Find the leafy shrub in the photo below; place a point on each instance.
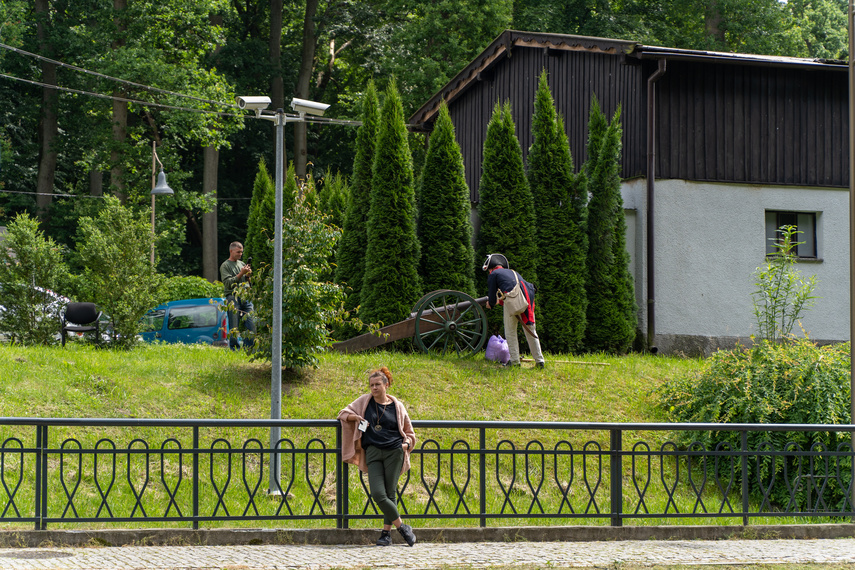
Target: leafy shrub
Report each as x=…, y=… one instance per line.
x=792, y=383
x=30, y=266
x=782, y=294
x=115, y=251
x=308, y=303
x=190, y=287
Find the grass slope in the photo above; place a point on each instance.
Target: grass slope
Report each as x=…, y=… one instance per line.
x=173, y=381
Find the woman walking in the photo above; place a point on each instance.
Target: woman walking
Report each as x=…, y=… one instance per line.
x=378, y=437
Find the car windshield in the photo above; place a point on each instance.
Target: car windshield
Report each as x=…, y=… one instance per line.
x=192, y=317
x=153, y=320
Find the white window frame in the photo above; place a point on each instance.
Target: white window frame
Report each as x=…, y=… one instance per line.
x=805, y=222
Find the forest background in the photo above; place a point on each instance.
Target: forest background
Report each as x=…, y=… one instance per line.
x=61, y=151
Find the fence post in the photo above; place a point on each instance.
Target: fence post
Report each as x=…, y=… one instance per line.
x=340, y=481
x=616, y=476
x=745, y=505
x=38, y=457
x=195, y=477
x=41, y=477
x=482, y=482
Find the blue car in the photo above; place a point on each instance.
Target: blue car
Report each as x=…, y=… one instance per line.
x=188, y=321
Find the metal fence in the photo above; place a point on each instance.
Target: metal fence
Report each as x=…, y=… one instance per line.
x=79, y=471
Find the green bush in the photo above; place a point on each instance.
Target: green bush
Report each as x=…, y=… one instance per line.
x=190, y=287
x=115, y=250
x=782, y=294
x=30, y=264
x=309, y=304
x=792, y=383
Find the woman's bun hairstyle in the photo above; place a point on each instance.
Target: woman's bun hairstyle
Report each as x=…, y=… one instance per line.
x=385, y=372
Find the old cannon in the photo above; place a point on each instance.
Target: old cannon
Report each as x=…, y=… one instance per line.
x=441, y=322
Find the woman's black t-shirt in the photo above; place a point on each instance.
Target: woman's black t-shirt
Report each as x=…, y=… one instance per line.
x=387, y=436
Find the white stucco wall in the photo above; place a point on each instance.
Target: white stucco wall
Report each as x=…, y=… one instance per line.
x=710, y=238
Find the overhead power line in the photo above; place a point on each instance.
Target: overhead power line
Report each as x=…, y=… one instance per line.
x=307, y=119
x=116, y=79
x=116, y=98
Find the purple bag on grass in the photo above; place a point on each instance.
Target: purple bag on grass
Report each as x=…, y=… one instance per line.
x=497, y=350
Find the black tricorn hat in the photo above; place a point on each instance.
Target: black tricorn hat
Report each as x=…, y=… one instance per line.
x=494, y=259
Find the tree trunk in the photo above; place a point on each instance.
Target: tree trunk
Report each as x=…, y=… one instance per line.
x=277, y=86
x=120, y=119
x=209, y=220
x=96, y=183
x=303, y=81
x=712, y=22
x=48, y=125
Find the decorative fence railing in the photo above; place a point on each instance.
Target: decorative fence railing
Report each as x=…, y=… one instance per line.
x=75, y=471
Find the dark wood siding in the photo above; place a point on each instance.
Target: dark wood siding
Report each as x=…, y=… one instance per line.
x=719, y=119
x=573, y=78
x=763, y=125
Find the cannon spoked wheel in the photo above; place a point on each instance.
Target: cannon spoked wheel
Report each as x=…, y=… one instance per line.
x=450, y=322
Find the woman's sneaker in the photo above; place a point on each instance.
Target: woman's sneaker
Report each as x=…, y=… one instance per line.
x=407, y=532
x=385, y=538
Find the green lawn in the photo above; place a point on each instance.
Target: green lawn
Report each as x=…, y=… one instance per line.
x=173, y=381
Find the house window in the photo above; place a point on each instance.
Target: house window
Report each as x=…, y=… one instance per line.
x=805, y=223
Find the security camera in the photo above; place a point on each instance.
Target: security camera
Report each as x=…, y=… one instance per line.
x=311, y=107
x=253, y=103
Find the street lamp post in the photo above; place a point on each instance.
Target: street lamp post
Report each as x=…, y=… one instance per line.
x=161, y=188
x=303, y=107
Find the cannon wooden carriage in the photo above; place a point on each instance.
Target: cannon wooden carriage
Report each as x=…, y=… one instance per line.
x=441, y=322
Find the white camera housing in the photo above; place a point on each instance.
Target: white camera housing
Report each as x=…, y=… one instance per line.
x=253, y=103
x=311, y=107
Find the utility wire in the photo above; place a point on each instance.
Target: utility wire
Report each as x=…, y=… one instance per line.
x=53, y=195
x=308, y=118
x=115, y=98
x=116, y=79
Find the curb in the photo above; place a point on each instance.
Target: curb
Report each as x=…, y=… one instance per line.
x=231, y=537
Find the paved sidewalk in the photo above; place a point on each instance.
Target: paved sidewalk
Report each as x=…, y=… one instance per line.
x=432, y=555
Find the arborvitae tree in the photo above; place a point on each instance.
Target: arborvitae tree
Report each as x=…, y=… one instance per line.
x=445, y=228
x=506, y=207
x=350, y=257
x=612, y=319
x=334, y=198
x=261, y=219
x=561, y=241
x=391, y=285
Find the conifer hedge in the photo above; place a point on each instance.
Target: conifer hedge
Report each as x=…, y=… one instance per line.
x=260, y=225
x=444, y=226
x=612, y=319
x=350, y=256
x=506, y=206
x=391, y=285
x=562, y=244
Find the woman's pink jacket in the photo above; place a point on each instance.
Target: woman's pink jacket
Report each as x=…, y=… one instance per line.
x=351, y=440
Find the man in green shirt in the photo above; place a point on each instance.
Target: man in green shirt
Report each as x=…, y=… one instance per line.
x=232, y=272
